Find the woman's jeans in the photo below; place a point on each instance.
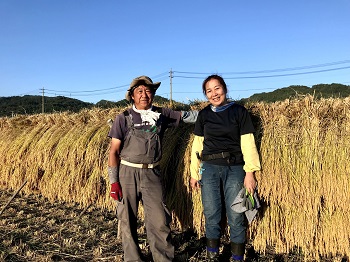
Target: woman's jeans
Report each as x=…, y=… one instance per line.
x=232, y=178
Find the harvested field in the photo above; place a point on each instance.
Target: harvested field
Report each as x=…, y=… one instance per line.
x=33, y=229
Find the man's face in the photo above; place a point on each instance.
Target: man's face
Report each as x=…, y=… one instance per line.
x=143, y=97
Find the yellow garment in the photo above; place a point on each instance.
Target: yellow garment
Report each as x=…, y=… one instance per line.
x=250, y=153
x=248, y=147
x=197, y=146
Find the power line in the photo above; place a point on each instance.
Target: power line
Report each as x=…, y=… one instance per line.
x=87, y=91
x=292, y=74
x=195, y=75
x=124, y=87
x=165, y=75
x=278, y=75
x=160, y=75
x=70, y=94
x=271, y=70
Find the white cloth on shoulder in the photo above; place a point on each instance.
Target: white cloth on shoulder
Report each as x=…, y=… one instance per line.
x=148, y=116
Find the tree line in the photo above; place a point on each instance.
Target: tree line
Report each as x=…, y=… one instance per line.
x=318, y=91
x=28, y=105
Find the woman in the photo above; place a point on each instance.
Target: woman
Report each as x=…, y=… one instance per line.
x=224, y=137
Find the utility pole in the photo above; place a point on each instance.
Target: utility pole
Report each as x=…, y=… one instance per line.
x=42, y=101
x=171, y=87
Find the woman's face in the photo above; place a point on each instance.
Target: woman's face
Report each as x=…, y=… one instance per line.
x=215, y=93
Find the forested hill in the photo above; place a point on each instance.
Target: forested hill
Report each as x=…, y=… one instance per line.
x=320, y=90
x=14, y=105
x=28, y=105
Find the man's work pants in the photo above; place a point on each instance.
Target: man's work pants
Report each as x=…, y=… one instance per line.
x=146, y=185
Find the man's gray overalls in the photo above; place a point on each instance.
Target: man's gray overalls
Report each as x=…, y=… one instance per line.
x=140, y=179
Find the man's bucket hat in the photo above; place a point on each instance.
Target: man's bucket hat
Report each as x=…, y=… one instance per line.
x=141, y=80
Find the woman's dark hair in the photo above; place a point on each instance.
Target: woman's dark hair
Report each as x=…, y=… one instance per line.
x=217, y=77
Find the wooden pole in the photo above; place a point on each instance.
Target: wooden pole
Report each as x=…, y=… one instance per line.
x=14, y=195
x=42, y=102
x=171, y=88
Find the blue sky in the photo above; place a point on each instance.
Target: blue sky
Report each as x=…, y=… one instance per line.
x=91, y=50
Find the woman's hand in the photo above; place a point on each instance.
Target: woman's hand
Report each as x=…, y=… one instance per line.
x=250, y=182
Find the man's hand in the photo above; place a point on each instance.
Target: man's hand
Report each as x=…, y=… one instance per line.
x=194, y=183
x=116, y=191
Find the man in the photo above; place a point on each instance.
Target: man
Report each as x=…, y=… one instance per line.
x=134, y=171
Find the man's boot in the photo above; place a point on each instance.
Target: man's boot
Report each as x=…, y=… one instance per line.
x=213, y=250
x=237, y=251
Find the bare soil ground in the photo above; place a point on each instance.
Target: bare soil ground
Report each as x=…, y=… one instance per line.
x=32, y=229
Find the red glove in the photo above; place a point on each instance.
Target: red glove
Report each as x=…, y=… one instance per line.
x=116, y=191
